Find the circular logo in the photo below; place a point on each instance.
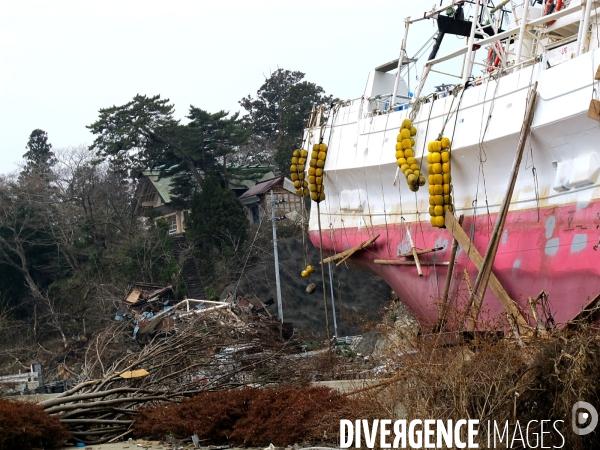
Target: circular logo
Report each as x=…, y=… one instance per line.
x=579, y=418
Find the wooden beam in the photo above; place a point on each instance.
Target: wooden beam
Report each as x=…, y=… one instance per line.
x=483, y=276
x=397, y=262
x=420, y=252
x=413, y=249
x=441, y=321
x=347, y=253
x=507, y=303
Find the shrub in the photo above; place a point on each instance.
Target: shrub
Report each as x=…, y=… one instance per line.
x=252, y=417
x=25, y=425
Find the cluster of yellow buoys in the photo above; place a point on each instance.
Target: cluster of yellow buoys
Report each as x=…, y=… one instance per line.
x=297, y=172
x=308, y=271
x=440, y=199
x=405, y=156
x=315, y=172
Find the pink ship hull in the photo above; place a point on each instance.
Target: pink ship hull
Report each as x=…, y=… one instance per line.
x=559, y=253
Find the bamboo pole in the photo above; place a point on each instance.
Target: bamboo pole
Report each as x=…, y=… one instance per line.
x=486, y=267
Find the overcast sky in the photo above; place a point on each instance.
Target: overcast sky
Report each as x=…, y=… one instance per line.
x=62, y=60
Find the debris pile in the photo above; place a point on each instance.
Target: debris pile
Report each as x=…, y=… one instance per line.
x=190, y=347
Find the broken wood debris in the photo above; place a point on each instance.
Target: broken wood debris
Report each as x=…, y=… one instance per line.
x=348, y=253
x=398, y=262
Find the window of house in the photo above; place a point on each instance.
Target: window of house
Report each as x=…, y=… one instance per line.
x=172, y=220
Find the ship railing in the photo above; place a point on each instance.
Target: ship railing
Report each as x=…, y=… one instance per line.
x=509, y=34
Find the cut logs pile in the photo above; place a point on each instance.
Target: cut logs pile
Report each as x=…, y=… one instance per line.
x=214, y=351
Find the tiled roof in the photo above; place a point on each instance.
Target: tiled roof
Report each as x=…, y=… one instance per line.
x=262, y=187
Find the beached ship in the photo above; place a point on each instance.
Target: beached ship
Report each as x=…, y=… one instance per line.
x=550, y=240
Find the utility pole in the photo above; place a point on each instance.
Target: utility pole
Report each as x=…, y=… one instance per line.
x=279, y=307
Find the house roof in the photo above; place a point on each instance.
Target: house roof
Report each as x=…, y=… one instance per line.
x=262, y=187
x=163, y=184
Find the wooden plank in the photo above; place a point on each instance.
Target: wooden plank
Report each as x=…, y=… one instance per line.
x=481, y=282
x=507, y=303
x=396, y=262
x=587, y=315
x=441, y=321
x=420, y=252
x=347, y=253
x=413, y=250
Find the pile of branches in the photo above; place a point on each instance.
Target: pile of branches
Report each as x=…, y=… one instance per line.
x=214, y=351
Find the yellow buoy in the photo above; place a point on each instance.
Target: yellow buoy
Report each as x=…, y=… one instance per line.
x=406, y=144
x=297, y=184
x=414, y=167
x=399, y=154
x=445, y=142
x=445, y=157
x=301, y=175
x=319, y=180
x=432, y=200
x=293, y=168
x=316, y=147
x=436, y=168
x=301, y=160
x=437, y=179
x=322, y=196
x=294, y=160
x=408, y=153
x=294, y=176
x=304, y=153
x=402, y=161
x=311, y=170
x=439, y=221
x=305, y=273
x=438, y=210
x=438, y=200
x=438, y=189
x=432, y=210
x=406, y=123
x=305, y=191
x=413, y=131
x=405, y=133
x=314, y=196
x=320, y=163
x=446, y=167
x=421, y=180
x=411, y=160
x=313, y=163
x=296, y=153
x=311, y=179
x=299, y=192
x=435, y=157
x=323, y=147
x=319, y=172
x=447, y=178
x=313, y=188
x=432, y=221
x=446, y=189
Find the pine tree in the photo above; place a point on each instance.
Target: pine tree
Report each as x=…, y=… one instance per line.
x=39, y=157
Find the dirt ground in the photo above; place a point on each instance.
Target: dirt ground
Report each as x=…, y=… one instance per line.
x=358, y=295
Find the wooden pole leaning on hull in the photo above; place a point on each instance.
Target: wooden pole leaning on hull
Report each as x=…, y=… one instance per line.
x=441, y=322
x=463, y=240
x=348, y=253
x=413, y=249
x=490, y=255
